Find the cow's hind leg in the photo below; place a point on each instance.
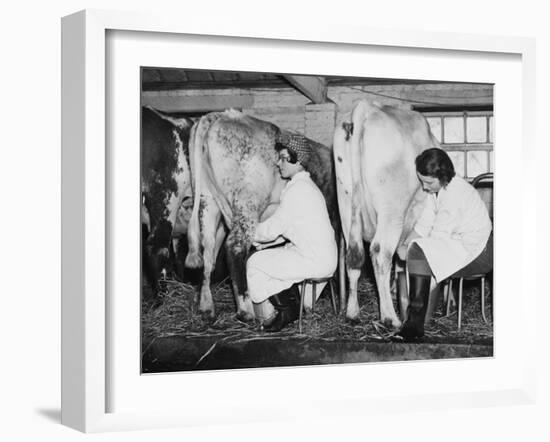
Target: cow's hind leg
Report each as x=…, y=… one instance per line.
x=382, y=249
x=355, y=258
x=237, y=247
x=210, y=217
x=352, y=310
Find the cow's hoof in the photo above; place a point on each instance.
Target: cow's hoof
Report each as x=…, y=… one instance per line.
x=207, y=315
x=193, y=260
x=392, y=324
x=245, y=317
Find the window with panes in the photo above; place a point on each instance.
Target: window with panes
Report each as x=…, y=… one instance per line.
x=467, y=136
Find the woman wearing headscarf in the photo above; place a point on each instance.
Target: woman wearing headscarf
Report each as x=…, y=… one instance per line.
x=302, y=220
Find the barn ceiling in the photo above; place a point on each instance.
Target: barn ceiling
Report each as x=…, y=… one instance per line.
x=314, y=87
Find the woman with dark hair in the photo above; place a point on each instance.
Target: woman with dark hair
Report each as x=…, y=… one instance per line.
x=435, y=163
x=452, y=232
x=302, y=220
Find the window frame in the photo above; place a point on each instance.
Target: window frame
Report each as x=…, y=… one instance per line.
x=466, y=146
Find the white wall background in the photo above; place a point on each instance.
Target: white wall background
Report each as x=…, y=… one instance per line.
x=30, y=219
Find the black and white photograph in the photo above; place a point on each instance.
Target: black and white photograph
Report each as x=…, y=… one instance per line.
x=298, y=220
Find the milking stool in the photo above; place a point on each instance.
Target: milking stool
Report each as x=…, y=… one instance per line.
x=484, y=185
x=469, y=273
x=314, y=282
x=461, y=279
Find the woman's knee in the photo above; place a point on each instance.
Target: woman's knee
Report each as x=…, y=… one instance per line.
x=415, y=253
x=417, y=263
x=252, y=261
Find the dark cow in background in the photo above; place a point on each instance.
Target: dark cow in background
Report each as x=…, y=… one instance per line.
x=379, y=194
x=236, y=181
x=166, y=188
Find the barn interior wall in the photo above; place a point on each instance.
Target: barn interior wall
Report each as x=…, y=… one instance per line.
x=290, y=110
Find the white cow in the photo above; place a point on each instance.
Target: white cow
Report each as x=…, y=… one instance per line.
x=379, y=195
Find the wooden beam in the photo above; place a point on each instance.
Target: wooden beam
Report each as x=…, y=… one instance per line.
x=204, y=103
x=314, y=88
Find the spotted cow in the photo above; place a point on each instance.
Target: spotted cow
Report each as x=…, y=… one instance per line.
x=379, y=195
x=237, y=184
x=166, y=188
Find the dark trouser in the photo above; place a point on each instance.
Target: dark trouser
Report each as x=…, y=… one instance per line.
x=417, y=263
x=481, y=265
x=419, y=285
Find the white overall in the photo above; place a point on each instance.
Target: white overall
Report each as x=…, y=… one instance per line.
x=302, y=218
x=454, y=227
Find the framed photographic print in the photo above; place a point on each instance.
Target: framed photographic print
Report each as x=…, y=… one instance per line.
x=181, y=143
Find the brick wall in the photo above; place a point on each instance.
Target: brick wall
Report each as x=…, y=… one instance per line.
x=319, y=120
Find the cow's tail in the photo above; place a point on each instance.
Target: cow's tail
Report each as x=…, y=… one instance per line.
x=342, y=170
x=435, y=141
x=347, y=153
x=196, y=140
x=359, y=117
x=202, y=174
x=217, y=194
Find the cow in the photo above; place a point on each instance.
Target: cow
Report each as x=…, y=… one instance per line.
x=166, y=188
x=236, y=185
x=379, y=194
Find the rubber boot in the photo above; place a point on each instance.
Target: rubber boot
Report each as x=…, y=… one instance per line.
x=287, y=308
x=419, y=292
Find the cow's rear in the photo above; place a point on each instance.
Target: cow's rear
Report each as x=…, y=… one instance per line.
x=235, y=179
x=378, y=191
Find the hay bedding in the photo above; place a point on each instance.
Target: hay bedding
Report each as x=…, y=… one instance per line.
x=178, y=315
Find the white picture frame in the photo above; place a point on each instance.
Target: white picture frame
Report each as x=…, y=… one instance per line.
x=87, y=354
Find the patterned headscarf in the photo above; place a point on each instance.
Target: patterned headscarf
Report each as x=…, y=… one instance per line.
x=296, y=143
